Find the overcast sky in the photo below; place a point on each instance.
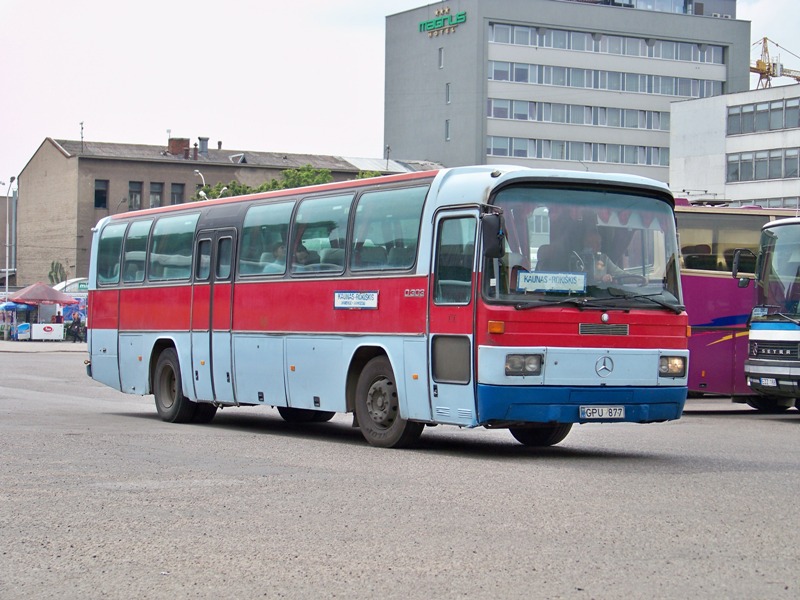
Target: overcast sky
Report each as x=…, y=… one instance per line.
x=299, y=76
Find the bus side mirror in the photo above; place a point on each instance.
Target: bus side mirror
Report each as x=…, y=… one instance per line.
x=492, y=236
x=737, y=255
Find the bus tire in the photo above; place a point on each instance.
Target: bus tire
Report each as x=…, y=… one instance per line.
x=171, y=404
x=541, y=435
x=378, y=408
x=204, y=412
x=767, y=404
x=304, y=415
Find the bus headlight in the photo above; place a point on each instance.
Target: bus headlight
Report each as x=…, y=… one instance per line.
x=672, y=366
x=522, y=365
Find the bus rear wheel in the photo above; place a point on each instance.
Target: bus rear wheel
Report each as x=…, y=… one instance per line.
x=541, y=435
x=171, y=404
x=304, y=415
x=378, y=408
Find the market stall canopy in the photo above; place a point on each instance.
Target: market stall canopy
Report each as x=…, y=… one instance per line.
x=41, y=293
x=15, y=306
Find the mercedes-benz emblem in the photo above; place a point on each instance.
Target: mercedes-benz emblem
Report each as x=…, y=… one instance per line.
x=604, y=366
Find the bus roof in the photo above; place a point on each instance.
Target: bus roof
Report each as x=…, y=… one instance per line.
x=499, y=174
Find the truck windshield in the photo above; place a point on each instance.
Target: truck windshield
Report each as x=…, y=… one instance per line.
x=778, y=289
x=592, y=247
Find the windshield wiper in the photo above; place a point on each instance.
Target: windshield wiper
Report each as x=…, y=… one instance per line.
x=625, y=295
x=787, y=317
x=581, y=303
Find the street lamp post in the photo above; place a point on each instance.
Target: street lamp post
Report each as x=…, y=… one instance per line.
x=8, y=229
x=199, y=174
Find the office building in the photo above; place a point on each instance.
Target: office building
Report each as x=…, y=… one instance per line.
x=555, y=83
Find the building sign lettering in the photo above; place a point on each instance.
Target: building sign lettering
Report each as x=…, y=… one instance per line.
x=443, y=23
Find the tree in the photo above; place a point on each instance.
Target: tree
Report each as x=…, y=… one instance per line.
x=57, y=273
x=290, y=178
x=368, y=174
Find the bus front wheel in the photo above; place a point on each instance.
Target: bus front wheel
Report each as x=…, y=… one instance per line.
x=171, y=404
x=541, y=435
x=378, y=408
x=767, y=404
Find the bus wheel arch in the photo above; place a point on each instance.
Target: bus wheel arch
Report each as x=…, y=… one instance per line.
x=357, y=363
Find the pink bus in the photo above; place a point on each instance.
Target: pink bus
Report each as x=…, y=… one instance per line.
x=718, y=309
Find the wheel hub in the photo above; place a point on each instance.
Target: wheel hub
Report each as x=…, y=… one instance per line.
x=379, y=402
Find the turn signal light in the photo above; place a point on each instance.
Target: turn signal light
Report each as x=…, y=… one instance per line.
x=497, y=327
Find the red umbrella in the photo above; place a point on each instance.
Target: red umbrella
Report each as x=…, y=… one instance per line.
x=41, y=293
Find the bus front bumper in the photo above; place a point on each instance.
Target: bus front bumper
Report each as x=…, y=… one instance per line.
x=498, y=405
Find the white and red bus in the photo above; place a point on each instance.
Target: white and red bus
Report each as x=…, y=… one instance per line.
x=463, y=296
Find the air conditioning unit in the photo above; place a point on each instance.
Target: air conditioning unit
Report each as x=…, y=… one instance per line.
x=716, y=15
x=726, y=16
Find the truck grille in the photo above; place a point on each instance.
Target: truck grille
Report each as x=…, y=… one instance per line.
x=775, y=350
x=603, y=329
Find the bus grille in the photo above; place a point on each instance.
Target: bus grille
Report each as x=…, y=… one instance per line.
x=603, y=329
x=775, y=350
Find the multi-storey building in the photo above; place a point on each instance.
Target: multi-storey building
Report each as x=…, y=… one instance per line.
x=554, y=83
x=67, y=186
x=742, y=148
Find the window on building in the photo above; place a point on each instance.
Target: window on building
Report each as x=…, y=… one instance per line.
x=447, y=130
x=746, y=166
x=521, y=73
x=447, y=93
x=521, y=110
x=761, y=165
x=499, y=71
x=502, y=34
x=156, y=194
x=748, y=118
x=101, y=193
x=441, y=58
x=791, y=117
x=775, y=164
x=791, y=166
x=176, y=193
x=134, y=195
x=776, y=115
x=734, y=120
x=762, y=116
x=522, y=36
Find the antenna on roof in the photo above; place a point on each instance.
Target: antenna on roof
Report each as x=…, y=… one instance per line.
x=81, y=136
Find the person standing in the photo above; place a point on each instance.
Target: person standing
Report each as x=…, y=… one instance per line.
x=75, y=327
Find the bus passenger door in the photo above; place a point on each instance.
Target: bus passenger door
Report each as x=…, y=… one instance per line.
x=212, y=368
x=451, y=309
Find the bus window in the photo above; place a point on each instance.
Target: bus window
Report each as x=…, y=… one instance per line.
x=264, y=236
x=135, y=251
x=455, y=249
x=316, y=220
x=708, y=239
x=171, y=247
x=108, y=253
x=224, y=250
x=387, y=225
x=203, y=268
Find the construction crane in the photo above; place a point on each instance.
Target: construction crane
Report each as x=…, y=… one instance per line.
x=766, y=68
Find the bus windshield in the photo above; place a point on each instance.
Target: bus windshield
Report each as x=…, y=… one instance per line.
x=615, y=248
x=778, y=290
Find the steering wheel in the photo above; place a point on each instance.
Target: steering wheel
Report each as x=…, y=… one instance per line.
x=631, y=278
